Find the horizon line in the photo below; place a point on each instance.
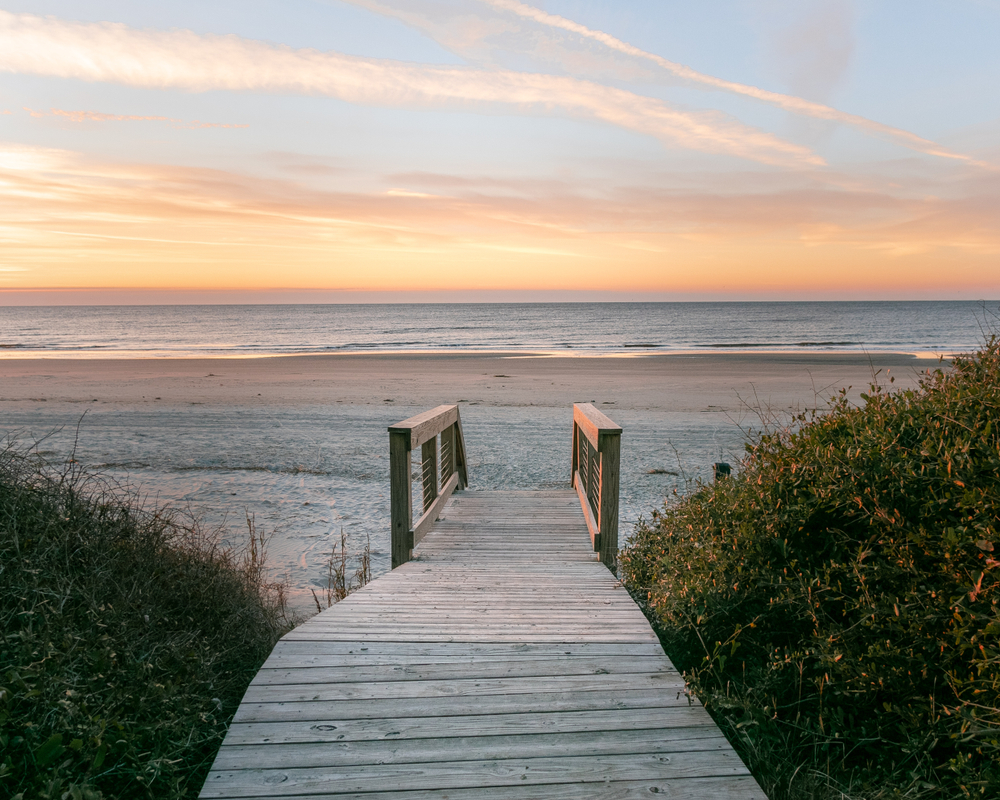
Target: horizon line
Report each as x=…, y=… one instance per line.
x=21, y=297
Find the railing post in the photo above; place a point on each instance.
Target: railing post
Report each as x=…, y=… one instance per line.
x=400, y=496
x=459, y=463
x=576, y=454
x=609, y=449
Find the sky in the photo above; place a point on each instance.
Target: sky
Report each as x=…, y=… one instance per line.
x=338, y=150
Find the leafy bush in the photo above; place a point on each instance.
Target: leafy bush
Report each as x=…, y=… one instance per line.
x=127, y=639
x=835, y=605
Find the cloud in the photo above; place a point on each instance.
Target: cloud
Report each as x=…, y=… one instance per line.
x=94, y=116
x=97, y=116
x=815, y=52
x=461, y=30
x=73, y=220
x=181, y=59
x=16, y=158
x=48, y=189
x=408, y=193
x=492, y=36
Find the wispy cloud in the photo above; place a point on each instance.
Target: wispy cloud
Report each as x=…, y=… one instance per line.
x=94, y=116
x=409, y=193
x=180, y=59
x=59, y=191
x=467, y=35
x=97, y=116
x=787, y=102
x=74, y=220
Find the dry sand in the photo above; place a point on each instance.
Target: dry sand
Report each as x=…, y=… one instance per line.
x=716, y=382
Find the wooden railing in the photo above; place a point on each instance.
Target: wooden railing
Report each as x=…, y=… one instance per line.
x=596, y=455
x=442, y=470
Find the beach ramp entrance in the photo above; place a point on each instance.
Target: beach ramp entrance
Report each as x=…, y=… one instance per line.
x=500, y=658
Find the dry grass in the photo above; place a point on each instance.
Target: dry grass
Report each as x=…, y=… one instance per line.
x=338, y=583
x=127, y=637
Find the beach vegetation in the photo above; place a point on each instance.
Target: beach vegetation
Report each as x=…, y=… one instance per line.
x=128, y=636
x=835, y=603
x=340, y=582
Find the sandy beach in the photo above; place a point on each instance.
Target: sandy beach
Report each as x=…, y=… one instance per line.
x=301, y=444
x=655, y=383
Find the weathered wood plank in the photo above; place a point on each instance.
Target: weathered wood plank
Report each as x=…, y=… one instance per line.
x=595, y=768
x=593, y=423
x=470, y=748
x=424, y=426
x=461, y=687
x=333, y=669
x=497, y=617
x=435, y=651
x=473, y=635
x=337, y=729
x=663, y=697
x=729, y=788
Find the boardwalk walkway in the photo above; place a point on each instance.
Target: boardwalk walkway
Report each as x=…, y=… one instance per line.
x=502, y=661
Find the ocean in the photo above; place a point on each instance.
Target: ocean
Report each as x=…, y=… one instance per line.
x=570, y=328
x=306, y=472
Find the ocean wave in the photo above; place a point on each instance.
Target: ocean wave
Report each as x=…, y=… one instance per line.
x=771, y=345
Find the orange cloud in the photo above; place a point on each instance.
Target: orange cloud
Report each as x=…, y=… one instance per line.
x=181, y=59
x=68, y=221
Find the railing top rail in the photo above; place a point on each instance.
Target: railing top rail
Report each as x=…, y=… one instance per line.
x=426, y=425
x=593, y=423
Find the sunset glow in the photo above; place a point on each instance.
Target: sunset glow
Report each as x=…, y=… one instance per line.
x=480, y=146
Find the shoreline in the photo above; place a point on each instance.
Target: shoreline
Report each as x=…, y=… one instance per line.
x=10, y=353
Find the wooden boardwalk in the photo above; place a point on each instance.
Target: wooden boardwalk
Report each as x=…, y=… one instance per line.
x=502, y=661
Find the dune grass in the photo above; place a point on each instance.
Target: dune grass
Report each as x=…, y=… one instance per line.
x=835, y=605
x=127, y=638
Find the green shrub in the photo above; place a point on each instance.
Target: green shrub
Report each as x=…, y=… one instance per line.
x=835, y=604
x=127, y=639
